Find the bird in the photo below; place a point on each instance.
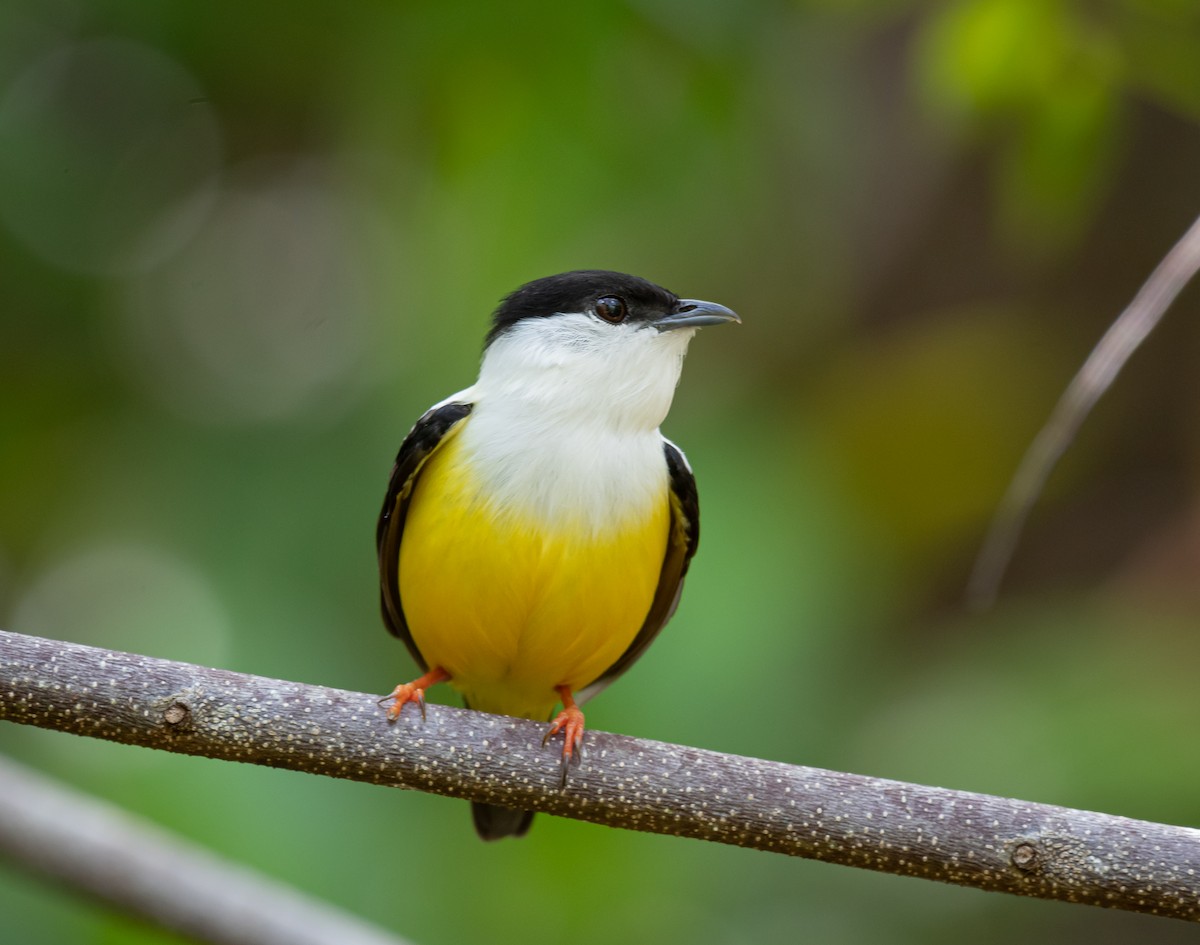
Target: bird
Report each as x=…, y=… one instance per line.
x=537, y=526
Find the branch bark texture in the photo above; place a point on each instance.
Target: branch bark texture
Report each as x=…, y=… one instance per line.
x=956, y=837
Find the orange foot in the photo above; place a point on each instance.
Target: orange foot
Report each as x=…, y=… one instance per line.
x=570, y=722
x=413, y=692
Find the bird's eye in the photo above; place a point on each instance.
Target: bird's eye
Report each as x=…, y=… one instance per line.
x=611, y=309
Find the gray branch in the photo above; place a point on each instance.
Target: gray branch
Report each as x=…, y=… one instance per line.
x=1097, y=375
x=121, y=859
x=956, y=837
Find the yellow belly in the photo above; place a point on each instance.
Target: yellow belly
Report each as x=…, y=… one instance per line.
x=512, y=606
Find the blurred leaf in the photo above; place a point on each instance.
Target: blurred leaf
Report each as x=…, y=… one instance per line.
x=987, y=58
x=1059, y=164
x=926, y=426
x=1041, y=78
x=1159, y=39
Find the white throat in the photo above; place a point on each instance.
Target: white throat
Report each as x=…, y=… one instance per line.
x=565, y=424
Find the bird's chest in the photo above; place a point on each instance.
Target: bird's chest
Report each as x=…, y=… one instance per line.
x=582, y=477
x=526, y=568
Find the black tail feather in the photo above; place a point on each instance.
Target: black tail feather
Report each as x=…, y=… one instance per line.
x=494, y=823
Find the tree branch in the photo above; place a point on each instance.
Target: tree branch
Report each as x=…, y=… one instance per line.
x=123, y=860
x=953, y=836
x=1099, y=371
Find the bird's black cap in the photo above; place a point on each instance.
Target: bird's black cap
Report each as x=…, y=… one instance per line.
x=578, y=291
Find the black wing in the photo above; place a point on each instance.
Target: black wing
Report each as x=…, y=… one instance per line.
x=428, y=434
x=681, y=545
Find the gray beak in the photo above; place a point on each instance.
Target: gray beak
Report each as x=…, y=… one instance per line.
x=692, y=313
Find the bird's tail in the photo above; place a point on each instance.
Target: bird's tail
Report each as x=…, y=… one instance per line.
x=494, y=823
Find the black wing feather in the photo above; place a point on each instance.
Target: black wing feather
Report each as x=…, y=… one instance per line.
x=422, y=440
x=682, y=541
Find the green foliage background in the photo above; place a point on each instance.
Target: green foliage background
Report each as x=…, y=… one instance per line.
x=243, y=246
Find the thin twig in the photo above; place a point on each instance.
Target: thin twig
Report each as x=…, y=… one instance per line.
x=1094, y=378
x=123, y=860
x=957, y=837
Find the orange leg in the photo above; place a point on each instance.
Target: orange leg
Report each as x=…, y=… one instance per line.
x=413, y=692
x=570, y=722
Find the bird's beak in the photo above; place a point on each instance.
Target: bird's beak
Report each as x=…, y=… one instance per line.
x=692, y=313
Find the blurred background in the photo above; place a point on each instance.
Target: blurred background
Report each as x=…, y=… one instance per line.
x=244, y=246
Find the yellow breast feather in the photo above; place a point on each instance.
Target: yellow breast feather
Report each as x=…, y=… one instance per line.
x=512, y=606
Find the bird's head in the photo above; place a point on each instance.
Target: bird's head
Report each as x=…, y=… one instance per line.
x=594, y=342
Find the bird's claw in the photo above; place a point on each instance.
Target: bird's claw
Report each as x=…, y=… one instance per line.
x=413, y=692
x=570, y=722
x=400, y=696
